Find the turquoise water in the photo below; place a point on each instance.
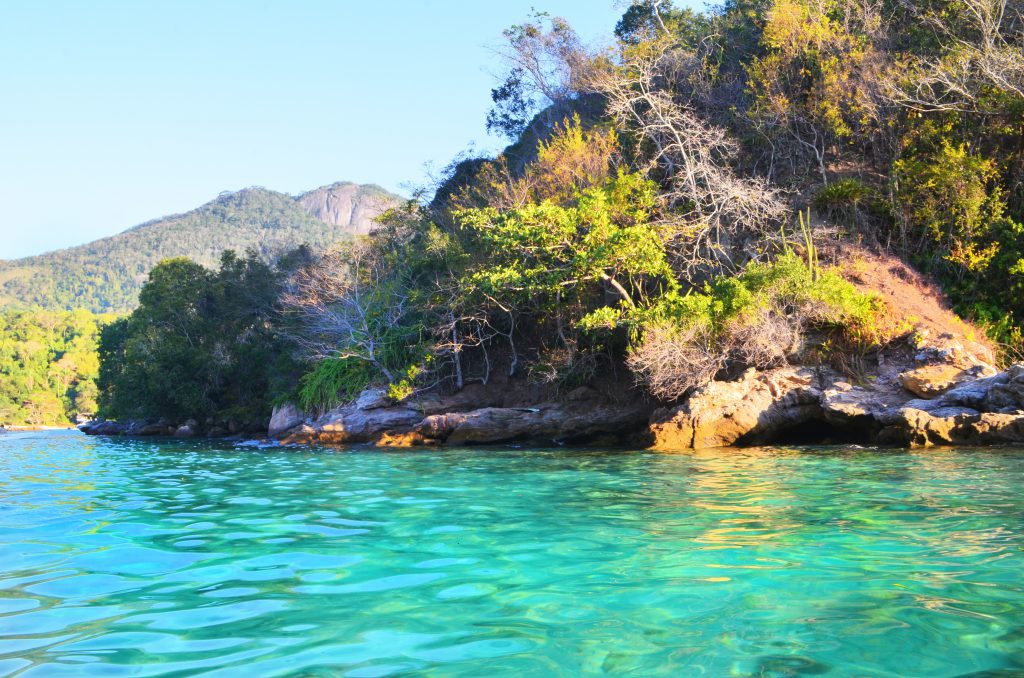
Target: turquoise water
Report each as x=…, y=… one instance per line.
x=121, y=558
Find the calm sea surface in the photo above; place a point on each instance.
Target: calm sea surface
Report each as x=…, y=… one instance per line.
x=129, y=558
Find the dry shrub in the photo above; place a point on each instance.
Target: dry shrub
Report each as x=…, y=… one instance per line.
x=672, y=361
x=763, y=340
x=756, y=319
x=981, y=55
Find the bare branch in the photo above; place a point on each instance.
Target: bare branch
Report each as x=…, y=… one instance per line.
x=714, y=203
x=991, y=58
x=345, y=308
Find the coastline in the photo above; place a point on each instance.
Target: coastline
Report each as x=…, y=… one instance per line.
x=936, y=404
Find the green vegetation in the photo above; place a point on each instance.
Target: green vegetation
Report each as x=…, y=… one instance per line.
x=758, y=318
x=331, y=381
x=647, y=220
x=572, y=263
x=49, y=361
x=201, y=344
x=106, y=275
x=48, y=365
x=959, y=223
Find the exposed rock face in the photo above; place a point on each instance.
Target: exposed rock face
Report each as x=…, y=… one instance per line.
x=361, y=421
x=959, y=401
x=169, y=427
x=985, y=411
x=285, y=417
x=546, y=424
x=352, y=425
x=373, y=399
x=757, y=408
x=918, y=397
x=584, y=415
x=347, y=204
x=1006, y=394
x=100, y=428
x=955, y=426
x=747, y=411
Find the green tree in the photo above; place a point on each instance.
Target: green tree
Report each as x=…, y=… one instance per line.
x=201, y=343
x=48, y=365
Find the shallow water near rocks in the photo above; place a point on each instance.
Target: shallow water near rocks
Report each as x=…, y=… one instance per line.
x=138, y=558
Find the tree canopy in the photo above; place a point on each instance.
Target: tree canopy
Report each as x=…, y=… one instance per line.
x=201, y=344
x=659, y=214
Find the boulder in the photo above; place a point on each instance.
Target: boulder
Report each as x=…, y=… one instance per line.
x=89, y=427
x=974, y=394
x=1006, y=395
x=350, y=424
x=546, y=423
x=369, y=420
x=303, y=434
x=965, y=408
x=746, y=411
x=185, y=431
x=373, y=399
x=947, y=349
x=103, y=428
x=285, y=417
x=981, y=410
x=931, y=381
x=862, y=407
x=154, y=429
x=992, y=428
x=954, y=426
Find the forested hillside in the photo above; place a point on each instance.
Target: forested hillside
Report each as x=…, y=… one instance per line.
x=48, y=365
x=106, y=275
x=681, y=209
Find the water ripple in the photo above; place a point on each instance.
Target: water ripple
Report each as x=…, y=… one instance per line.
x=153, y=558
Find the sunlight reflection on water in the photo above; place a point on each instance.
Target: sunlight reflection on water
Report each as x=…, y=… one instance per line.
x=147, y=558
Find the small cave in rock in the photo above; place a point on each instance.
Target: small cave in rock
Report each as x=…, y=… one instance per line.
x=818, y=432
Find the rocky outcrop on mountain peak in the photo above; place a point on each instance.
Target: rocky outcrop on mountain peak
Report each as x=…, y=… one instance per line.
x=346, y=204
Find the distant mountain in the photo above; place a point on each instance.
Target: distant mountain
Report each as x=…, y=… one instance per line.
x=106, y=275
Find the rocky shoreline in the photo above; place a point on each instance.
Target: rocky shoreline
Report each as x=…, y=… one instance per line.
x=931, y=392
x=176, y=428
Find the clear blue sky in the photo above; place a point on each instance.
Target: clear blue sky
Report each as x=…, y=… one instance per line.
x=114, y=113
